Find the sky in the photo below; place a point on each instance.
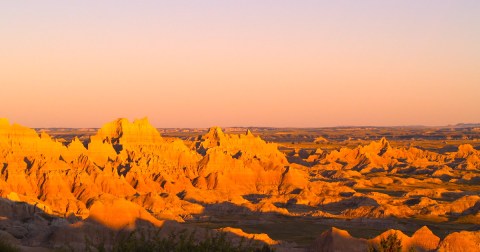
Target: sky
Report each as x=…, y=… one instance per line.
x=240, y=63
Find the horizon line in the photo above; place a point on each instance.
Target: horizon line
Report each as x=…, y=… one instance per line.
x=290, y=127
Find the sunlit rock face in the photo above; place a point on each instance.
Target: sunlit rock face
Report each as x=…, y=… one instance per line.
x=127, y=175
x=123, y=160
x=131, y=161
x=336, y=239
x=240, y=164
x=461, y=242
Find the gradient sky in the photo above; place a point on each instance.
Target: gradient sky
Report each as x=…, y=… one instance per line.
x=240, y=63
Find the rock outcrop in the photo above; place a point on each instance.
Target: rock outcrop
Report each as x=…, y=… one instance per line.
x=127, y=175
x=422, y=240
x=461, y=242
x=336, y=239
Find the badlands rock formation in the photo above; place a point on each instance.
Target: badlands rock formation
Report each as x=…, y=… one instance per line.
x=128, y=176
x=422, y=240
x=127, y=172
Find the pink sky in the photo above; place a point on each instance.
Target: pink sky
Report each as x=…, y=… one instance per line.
x=240, y=63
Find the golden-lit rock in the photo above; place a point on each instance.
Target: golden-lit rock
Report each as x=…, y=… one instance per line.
x=424, y=240
x=117, y=213
x=127, y=175
x=259, y=237
x=463, y=241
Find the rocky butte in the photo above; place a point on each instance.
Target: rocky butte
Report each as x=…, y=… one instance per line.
x=127, y=177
